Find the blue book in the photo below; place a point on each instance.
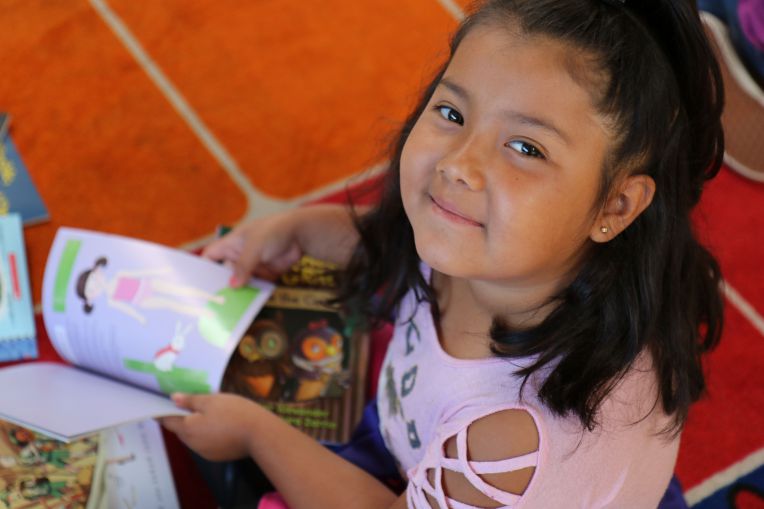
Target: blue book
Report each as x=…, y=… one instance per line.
x=17, y=191
x=17, y=327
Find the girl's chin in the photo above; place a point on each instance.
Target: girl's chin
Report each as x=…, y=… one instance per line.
x=443, y=262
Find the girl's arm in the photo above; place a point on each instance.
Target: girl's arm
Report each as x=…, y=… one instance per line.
x=268, y=246
x=306, y=474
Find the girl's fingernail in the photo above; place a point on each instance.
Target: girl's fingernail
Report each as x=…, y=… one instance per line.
x=233, y=281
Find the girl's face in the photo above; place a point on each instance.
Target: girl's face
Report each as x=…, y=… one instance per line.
x=500, y=174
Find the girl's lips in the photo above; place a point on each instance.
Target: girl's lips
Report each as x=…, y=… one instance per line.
x=451, y=213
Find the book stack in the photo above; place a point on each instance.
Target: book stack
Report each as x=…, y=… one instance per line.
x=19, y=204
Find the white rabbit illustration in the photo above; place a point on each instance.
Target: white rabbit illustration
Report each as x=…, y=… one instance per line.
x=164, y=359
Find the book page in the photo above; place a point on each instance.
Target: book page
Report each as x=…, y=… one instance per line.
x=152, y=316
x=135, y=470
x=68, y=403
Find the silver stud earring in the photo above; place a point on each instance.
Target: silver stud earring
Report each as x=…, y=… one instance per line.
x=604, y=229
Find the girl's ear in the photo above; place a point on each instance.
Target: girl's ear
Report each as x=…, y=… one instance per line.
x=632, y=196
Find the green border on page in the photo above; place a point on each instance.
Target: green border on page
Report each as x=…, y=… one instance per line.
x=64, y=274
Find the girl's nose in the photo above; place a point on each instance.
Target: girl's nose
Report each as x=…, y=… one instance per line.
x=465, y=164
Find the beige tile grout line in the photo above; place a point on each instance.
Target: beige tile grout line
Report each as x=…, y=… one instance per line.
x=453, y=8
x=257, y=202
x=328, y=190
x=745, y=307
x=723, y=478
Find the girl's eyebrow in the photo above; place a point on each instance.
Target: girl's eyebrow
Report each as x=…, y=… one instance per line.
x=453, y=87
x=537, y=122
x=516, y=116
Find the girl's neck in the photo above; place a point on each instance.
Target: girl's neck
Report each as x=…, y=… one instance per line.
x=467, y=309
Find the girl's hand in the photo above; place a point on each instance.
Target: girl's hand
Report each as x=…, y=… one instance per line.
x=267, y=247
x=220, y=428
x=264, y=247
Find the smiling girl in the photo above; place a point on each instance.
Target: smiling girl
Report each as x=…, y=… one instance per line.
x=534, y=246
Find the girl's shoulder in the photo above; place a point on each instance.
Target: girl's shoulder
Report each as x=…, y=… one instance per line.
x=635, y=398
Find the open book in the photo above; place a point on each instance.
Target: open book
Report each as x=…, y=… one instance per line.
x=137, y=321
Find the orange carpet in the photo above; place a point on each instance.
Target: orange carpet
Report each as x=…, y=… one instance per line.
x=298, y=96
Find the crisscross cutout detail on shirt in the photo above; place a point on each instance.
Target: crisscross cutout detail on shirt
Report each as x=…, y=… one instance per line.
x=436, y=461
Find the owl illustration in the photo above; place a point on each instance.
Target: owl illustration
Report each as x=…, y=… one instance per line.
x=265, y=340
x=316, y=353
x=260, y=366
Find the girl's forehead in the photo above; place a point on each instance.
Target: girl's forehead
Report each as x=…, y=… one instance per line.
x=508, y=69
x=506, y=45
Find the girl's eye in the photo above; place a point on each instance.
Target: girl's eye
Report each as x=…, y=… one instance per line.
x=450, y=114
x=525, y=149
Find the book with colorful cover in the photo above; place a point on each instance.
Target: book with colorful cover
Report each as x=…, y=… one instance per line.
x=302, y=359
x=17, y=326
x=126, y=466
x=17, y=191
x=135, y=321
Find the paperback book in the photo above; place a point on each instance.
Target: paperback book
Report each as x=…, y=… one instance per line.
x=135, y=322
x=302, y=358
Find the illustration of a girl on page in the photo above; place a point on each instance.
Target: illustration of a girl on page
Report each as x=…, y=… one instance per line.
x=134, y=291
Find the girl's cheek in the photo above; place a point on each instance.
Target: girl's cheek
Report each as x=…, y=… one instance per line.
x=416, y=158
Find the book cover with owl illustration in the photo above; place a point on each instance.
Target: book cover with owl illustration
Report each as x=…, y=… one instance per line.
x=302, y=359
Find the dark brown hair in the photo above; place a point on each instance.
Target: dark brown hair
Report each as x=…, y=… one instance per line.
x=82, y=280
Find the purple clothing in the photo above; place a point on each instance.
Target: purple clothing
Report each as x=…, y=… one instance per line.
x=745, y=21
x=751, y=14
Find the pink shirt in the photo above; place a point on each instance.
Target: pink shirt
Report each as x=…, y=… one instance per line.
x=425, y=396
